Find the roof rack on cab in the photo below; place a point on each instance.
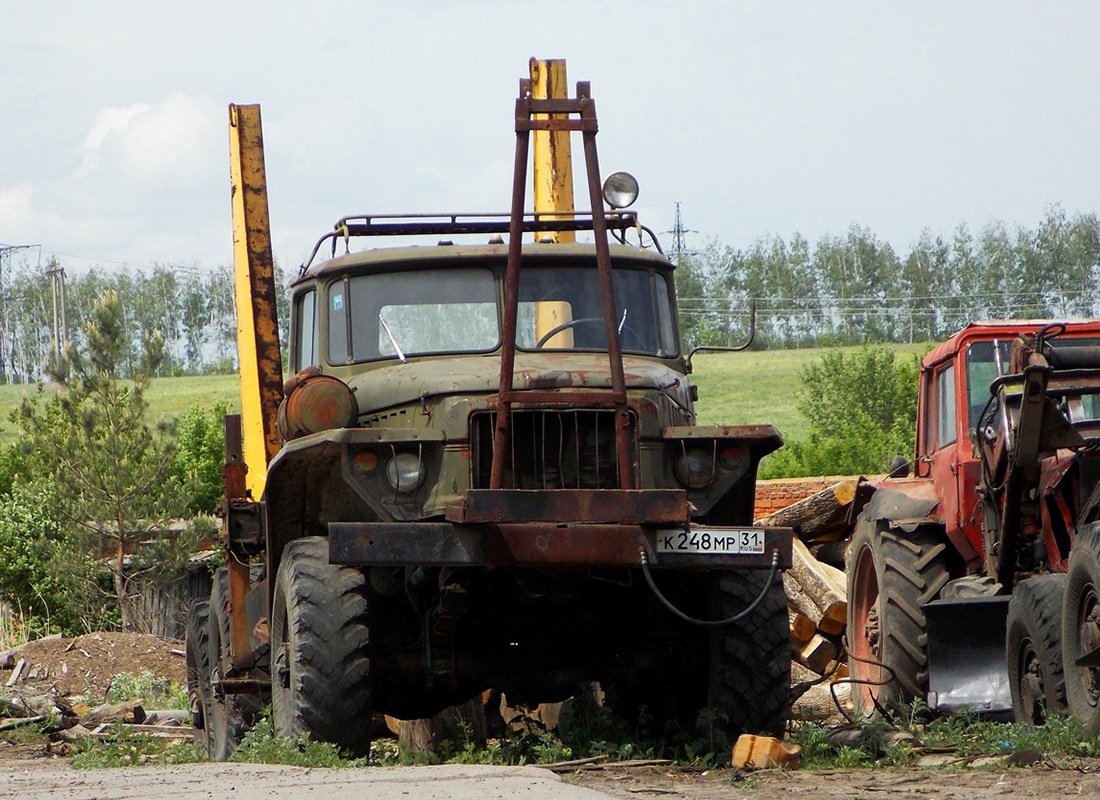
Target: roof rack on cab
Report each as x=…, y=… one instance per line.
x=618, y=223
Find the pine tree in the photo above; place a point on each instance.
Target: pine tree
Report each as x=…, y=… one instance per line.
x=111, y=471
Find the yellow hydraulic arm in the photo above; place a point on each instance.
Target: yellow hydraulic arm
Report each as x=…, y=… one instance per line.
x=552, y=182
x=257, y=322
x=552, y=174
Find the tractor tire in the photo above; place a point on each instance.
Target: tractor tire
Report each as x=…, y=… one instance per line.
x=750, y=660
x=1034, y=649
x=231, y=715
x=197, y=658
x=890, y=576
x=321, y=681
x=1081, y=628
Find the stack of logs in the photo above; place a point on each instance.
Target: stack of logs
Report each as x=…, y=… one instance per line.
x=815, y=584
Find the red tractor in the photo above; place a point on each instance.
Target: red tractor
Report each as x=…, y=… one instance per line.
x=975, y=583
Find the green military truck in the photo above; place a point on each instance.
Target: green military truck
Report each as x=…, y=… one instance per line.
x=488, y=474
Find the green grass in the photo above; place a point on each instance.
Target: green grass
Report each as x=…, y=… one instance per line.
x=761, y=387
x=168, y=398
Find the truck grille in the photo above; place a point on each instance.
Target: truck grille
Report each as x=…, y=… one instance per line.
x=550, y=449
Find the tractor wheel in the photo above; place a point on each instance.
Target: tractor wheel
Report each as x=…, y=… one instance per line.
x=890, y=576
x=1081, y=628
x=750, y=660
x=197, y=656
x=1034, y=649
x=320, y=668
x=231, y=715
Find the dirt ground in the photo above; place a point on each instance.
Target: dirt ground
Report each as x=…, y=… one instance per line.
x=87, y=664
x=976, y=783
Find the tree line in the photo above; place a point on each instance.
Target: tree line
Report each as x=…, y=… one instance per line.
x=193, y=310
x=849, y=289
x=856, y=288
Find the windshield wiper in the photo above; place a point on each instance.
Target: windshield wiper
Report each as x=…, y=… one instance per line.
x=393, y=340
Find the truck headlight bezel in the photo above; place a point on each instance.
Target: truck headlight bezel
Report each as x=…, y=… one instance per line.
x=405, y=472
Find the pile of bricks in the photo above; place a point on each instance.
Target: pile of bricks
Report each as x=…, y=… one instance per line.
x=772, y=495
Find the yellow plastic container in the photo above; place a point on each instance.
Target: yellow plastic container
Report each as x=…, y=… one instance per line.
x=764, y=752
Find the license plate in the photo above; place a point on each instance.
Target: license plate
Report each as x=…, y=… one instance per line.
x=719, y=541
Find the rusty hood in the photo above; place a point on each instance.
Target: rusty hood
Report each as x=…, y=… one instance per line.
x=401, y=384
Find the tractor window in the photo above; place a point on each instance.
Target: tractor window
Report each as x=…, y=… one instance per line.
x=305, y=330
x=560, y=308
x=945, y=407
x=985, y=362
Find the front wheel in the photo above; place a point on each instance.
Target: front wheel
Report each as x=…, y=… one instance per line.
x=1081, y=629
x=321, y=680
x=750, y=660
x=1034, y=649
x=890, y=577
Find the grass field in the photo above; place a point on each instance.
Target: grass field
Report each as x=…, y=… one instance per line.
x=761, y=387
x=168, y=398
x=734, y=388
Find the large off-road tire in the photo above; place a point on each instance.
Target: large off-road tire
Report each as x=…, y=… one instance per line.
x=891, y=575
x=750, y=660
x=1081, y=628
x=320, y=680
x=1034, y=649
x=197, y=659
x=231, y=715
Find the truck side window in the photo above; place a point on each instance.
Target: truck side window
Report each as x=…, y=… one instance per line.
x=945, y=407
x=305, y=332
x=338, y=323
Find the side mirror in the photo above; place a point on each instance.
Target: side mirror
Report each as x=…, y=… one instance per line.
x=899, y=468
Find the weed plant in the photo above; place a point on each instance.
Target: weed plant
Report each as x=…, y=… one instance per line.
x=963, y=736
x=13, y=628
x=148, y=688
x=126, y=749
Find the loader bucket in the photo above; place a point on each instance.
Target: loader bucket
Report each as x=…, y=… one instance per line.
x=967, y=670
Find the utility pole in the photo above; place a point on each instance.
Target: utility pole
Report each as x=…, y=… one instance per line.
x=679, y=239
x=6, y=252
x=60, y=319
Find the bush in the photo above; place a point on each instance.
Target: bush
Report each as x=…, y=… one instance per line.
x=32, y=547
x=200, y=453
x=862, y=409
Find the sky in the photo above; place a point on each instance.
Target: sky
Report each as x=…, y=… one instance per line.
x=758, y=118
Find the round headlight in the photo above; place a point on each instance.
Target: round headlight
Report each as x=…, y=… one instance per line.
x=695, y=468
x=314, y=402
x=620, y=189
x=405, y=472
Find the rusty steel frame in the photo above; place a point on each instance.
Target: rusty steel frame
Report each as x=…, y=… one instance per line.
x=558, y=117
x=534, y=544
x=649, y=506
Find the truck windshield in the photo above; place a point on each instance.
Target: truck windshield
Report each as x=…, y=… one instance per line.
x=560, y=309
x=424, y=311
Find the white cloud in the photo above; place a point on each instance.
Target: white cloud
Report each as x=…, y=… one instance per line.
x=16, y=207
x=169, y=140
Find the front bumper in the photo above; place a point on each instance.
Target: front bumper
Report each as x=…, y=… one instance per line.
x=546, y=544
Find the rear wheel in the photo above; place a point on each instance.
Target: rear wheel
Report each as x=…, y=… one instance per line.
x=750, y=660
x=231, y=715
x=321, y=681
x=197, y=657
x=1081, y=628
x=890, y=577
x=1034, y=649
